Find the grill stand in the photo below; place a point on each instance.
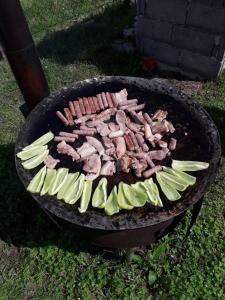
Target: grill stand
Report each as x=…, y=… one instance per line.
x=111, y=240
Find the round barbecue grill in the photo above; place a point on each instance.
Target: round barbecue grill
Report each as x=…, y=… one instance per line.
x=198, y=139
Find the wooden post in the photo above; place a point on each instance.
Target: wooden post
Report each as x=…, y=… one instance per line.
x=21, y=53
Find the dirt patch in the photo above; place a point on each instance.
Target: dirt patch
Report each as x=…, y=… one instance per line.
x=188, y=87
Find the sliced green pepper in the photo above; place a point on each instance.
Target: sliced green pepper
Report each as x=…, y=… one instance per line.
x=49, y=179
x=60, y=178
x=189, y=165
x=35, y=161
x=186, y=178
x=70, y=180
x=135, y=194
x=86, y=196
x=100, y=194
x=75, y=190
x=43, y=140
x=174, y=181
x=121, y=199
x=37, y=182
x=27, y=154
x=153, y=192
x=111, y=206
x=170, y=192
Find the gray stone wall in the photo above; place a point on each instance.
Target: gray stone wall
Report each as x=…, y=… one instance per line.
x=185, y=36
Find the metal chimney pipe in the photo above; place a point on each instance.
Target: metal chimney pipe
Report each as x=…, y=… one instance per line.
x=21, y=53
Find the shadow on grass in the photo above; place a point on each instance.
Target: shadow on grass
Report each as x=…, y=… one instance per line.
x=91, y=41
x=22, y=222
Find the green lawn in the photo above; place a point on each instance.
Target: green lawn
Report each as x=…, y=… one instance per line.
x=39, y=262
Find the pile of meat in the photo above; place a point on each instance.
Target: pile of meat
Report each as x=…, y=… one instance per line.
x=119, y=135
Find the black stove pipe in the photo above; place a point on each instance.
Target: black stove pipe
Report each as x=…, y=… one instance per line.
x=21, y=53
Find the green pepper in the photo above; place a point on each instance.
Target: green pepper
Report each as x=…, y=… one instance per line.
x=43, y=140
x=135, y=194
x=170, y=192
x=37, y=182
x=111, y=206
x=121, y=199
x=189, y=165
x=100, y=194
x=174, y=181
x=27, y=154
x=153, y=192
x=86, y=196
x=60, y=178
x=75, y=190
x=70, y=180
x=186, y=178
x=49, y=179
x=35, y=161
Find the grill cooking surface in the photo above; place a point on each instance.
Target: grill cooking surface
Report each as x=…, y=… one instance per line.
x=196, y=134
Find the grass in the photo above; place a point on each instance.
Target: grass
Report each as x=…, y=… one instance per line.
x=39, y=262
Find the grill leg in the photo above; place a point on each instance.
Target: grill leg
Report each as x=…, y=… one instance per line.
x=51, y=218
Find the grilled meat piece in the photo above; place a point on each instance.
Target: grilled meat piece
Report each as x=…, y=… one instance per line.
x=72, y=110
x=69, y=116
x=133, y=126
x=107, y=142
x=160, y=127
x=51, y=162
x=121, y=120
x=97, y=107
x=86, y=150
x=77, y=109
x=136, y=107
x=87, y=106
x=134, y=140
x=100, y=102
x=84, y=132
x=62, y=118
x=64, y=148
x=92, y=105
x=172, y=144
x=147, y=118
x=108, y=169
x=160, y=115
x=129, y=143
x=64, y=138
x=92, y=164
x=68, y=134
x=82, y=107
x=103, y=129
x=124, y=163
x=162, y=144
x=113, y=126
x=148, y=173
x=141, y=142
x=96, y=144
x=120, y=146
x=115, y=134
x=104, y=99
x=159, y=154
x=84, y=119
x=121, y=97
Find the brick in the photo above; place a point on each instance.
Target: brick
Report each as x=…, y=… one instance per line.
x=193, y=39
x=154, y=29
x=205, y=66
x=165, y=10
x=207, y=17
x=160, y=51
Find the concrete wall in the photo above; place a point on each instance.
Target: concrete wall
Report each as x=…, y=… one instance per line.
x=186, y=36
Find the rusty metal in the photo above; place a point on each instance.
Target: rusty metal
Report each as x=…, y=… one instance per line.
x=140, y=226
x=21, y=53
